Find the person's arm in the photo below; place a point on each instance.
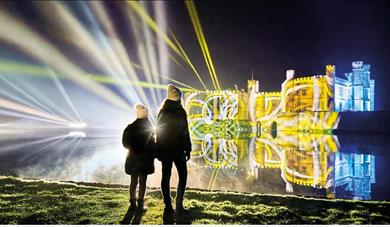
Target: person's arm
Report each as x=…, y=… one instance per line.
x=187, y=140
x=126, y=138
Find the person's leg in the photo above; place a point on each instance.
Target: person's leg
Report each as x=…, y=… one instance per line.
x=142, y=186
x=165, y=187
x=181, y=166
x=133, y=190
x=141, y=192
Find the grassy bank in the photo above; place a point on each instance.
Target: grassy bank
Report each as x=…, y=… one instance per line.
x=24, y=202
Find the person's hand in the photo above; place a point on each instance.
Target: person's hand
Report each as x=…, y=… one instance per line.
x=188, y=155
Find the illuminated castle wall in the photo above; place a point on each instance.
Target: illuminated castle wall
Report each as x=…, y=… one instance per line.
x=290, y=130
x=318, y=93
x=357, y=91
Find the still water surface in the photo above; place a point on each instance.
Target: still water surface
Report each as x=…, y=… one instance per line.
x=353, y=167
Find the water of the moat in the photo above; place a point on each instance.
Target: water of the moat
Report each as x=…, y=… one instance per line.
x=355, y=170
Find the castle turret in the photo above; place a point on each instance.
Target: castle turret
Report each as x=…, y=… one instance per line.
x=330, y=70
x=253, y=86
x=290, y=74
x=253, y=89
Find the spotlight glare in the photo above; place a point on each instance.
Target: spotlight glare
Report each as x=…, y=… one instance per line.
x=77, y=134
x=78, y=125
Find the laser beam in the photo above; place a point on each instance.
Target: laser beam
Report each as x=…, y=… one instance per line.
x=18, y=69
x=19, y=34
x=152, y=24
x=202, y=42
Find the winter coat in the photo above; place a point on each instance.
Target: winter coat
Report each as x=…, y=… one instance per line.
x=138, y=139
x=173, y=137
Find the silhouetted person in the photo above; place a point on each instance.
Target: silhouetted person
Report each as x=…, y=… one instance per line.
x=138, y=139
x=173, y=146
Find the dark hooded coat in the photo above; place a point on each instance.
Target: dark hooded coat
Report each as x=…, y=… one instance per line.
x=138, y=139
x=173, y=137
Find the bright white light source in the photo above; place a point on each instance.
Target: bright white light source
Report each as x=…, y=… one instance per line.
x=77, y=134
x=78, y=125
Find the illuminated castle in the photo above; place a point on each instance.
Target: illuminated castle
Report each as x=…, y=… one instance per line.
x=316, y=93
x=290, y=130
x=356, y=93
x=304, y=104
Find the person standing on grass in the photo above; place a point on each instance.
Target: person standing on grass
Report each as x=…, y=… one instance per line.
x=173, y=146
x=138, y=139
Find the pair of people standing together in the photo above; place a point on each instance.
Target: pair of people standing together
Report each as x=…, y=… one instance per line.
x=170, y=144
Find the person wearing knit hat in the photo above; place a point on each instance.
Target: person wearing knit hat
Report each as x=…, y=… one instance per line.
x=138, y=139
x=173, y=93
x=173, y=146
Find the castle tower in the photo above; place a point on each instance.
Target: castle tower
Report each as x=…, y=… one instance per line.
x=253, y=89
x=357, y=92
x=330, y=77
x=253, y=86
x=330, y=70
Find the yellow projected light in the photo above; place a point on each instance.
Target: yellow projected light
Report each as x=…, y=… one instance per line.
x=202, y=42
x=290, y=130
x=153, y=25
x=33, y=70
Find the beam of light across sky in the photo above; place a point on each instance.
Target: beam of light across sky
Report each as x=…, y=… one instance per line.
x=10, y=105
x=111, y=54
x=113, y=38
x=151, y=23
x=161, y=20
x=151, y=53
x=26, y=116
x=19, y=34
x=31, y=101
x=202, y=42
x=18, y=69
x=62, y=90
x=50, y=105
x=96, y=48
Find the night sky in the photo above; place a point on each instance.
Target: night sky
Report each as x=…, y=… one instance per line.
x=273, y=36
x=267, y=37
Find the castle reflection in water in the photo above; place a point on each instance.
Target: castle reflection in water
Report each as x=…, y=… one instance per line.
x=313, y=162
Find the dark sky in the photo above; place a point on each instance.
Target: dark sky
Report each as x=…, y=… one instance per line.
x=266, y=36
x=273, y=36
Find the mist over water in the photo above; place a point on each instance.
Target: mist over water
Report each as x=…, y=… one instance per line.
x=352, y=175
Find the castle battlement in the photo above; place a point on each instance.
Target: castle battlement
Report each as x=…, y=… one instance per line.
x=342, y=81
x=319, y=93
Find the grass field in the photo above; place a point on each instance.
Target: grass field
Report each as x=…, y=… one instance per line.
x=49, y=202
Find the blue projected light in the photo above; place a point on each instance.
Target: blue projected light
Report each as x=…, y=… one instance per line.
x=353, y=175
x=357, y=92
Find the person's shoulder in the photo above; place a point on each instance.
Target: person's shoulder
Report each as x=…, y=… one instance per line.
x=182, y=112
x=132, y=124
x=146, y=121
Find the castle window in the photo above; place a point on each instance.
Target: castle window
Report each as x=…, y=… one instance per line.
x=303, y=92
x=274, y=129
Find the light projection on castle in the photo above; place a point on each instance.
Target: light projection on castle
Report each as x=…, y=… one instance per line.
x=289, y=130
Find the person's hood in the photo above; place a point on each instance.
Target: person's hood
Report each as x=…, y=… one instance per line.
x=141, y=121
x=172, y=105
